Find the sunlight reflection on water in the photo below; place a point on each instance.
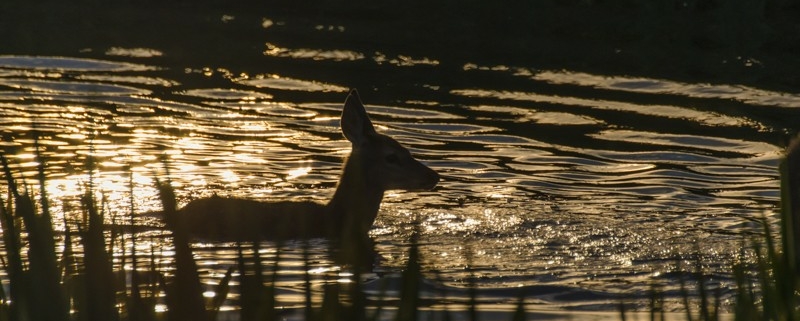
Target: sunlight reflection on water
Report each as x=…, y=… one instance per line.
x=591, y=195
x=284, y=83
x=660, y=86
x=706, y=118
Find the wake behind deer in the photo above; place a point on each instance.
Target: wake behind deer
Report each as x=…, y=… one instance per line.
x=377, y=163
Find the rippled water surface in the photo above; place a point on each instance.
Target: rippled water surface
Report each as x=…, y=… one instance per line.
x=577, y=189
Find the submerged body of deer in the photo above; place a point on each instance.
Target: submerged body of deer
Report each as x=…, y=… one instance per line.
x=377, y=163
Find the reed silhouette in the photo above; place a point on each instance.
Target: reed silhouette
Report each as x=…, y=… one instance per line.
x=377, y=163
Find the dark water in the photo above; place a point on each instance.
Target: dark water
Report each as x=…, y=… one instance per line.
x=574, y=186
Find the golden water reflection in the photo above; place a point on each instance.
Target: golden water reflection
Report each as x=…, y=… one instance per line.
x=665, y=111
x=538, y=188
x=662, y=86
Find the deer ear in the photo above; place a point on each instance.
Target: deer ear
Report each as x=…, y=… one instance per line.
x=355, y=123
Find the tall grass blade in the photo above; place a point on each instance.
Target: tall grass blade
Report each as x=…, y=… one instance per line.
x=267, y=304
x=47, y=221
x=656, y=301
x=184, y=293
x=684, y=291
x=68, y=262
x=471, y=287
x=779, y=278
x=744, y=306
x=715, y=314
x=221, y=294
x=358, y=310
x=99, y=280
x=16, y=275
x=519, y=312
x=702, y=290
x=271, y=302
x=331, y=306
x=790, y=204
x=138, y=308
x=411, y=278
x=42, y=279
x=446, y=316
x=257, y=301
x=309, y=311
x=45, y=237
x=247, y=289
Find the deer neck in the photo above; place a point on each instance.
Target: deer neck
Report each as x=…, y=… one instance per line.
x=357, y=199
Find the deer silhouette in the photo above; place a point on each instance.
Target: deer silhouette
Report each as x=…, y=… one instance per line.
x=377, y=163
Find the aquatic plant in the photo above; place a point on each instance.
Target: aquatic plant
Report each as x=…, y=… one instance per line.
x=776, y=266
x=36, y=283
x=766, y=287
x=92, y=287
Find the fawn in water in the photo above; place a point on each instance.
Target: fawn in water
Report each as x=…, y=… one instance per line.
x=377, y=163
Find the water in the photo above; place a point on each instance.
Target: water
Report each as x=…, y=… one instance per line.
x=576, y=188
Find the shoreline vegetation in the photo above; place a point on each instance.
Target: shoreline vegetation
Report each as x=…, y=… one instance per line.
x=43, y=285
x=698, y=41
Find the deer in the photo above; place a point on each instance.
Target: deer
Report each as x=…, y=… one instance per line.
x=377, y=163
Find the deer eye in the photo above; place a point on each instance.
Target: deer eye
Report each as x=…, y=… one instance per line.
x=392, y=158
